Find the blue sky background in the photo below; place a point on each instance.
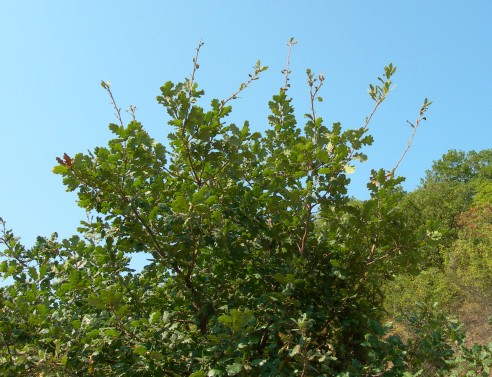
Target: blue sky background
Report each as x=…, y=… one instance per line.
x=55, y=53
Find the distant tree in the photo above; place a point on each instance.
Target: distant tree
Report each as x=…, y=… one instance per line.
x=431, y=212
x=459, y=166
x=456, y=181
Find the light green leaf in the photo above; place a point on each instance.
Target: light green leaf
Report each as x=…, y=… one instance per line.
x=335, y=263
x=234, y=369
x=60, y=169
x=349, y=169
x=154, y=317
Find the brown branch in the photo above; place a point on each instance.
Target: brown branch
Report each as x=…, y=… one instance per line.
x=379, y=99
x=196, y=243
x=196, y=299
x=132, y=294
x=197, y=179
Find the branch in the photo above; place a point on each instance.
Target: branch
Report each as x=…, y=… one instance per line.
x=123, y=328
x=312, y=94
x=190, y=84
x=258, y=68
x=6, y=238
x=106, y=86
x=286, y=71
x=376, y=92
x=379, y=93
x=421, y=117
x=131, y=110
x=195, y=66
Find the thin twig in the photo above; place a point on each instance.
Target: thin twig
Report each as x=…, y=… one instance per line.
x=258, y=68
x=368, y=119
x=313, y=94
x=191, y=82
x=131, y=110
x=195, y=65
x=106, y=86
x=286, y=72
x=379, y=93
x=421, y=117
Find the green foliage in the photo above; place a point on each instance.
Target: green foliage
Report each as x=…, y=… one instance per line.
x=451, y=187
x=474, y=362
x=404, y=294
x=453, y=205
x=431, y=212
x=469, y=260
x=483, y=191
x=458, y=166
x=260, y=262
x=432, y=336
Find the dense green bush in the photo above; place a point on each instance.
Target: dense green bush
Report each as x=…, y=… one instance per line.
x=260, y=263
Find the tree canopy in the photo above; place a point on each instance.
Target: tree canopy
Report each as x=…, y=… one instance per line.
x=261, y=264
x=460, y=166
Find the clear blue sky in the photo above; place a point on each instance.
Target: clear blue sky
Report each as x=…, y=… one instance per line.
x=55, y=53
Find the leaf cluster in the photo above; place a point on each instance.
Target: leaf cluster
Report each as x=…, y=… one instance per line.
x=260, y=263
